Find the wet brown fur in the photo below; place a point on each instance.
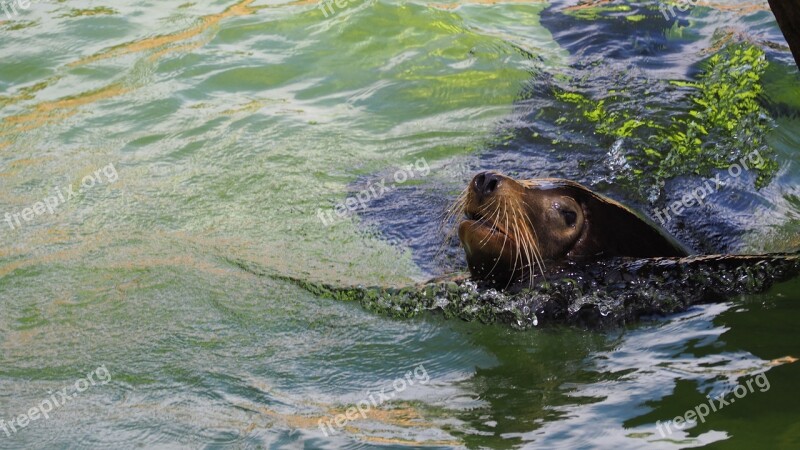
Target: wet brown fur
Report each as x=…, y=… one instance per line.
x=524, y=227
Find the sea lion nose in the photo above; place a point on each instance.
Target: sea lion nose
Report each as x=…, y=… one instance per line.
x=485, y=183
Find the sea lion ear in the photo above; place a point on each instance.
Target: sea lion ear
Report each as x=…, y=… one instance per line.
x=628, y=233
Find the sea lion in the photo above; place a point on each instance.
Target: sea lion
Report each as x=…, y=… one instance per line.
x=605, y=264
x=511, y=227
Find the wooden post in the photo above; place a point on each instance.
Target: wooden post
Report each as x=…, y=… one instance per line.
x=787, y=12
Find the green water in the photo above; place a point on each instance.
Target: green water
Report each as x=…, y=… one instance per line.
x=215, y=132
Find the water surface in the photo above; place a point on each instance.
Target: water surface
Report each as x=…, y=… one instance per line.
x=222, y=129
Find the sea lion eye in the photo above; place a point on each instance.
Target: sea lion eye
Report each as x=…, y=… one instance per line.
x=570, y=217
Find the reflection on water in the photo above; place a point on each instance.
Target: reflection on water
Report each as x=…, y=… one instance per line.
x=231, y=124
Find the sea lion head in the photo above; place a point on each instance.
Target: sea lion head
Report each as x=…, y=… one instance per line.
x=514, y=228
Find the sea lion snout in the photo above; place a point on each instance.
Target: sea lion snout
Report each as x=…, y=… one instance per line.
x=485, y=184
x=496, y=232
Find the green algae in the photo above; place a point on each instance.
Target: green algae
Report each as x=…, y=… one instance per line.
x=97, y=11
x=725, y=107
x=597, y=11
x=722, y=123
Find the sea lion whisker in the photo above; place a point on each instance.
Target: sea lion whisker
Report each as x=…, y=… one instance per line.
x=537, y=252
x=493, y=202
x=495, y=215
x=523, y=237
x=450, y=219
x=517, y=257
x=521, y=250
x=454, y=210
x=535, y=240
x=536, y=261
x=530, y=245
x=505, y=238
x=448, y=225
x=457, y=206
x=512, y=230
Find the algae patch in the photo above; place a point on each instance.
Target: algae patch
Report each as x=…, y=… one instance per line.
x=719, y=122
x=725, y=116
x=596, y=11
